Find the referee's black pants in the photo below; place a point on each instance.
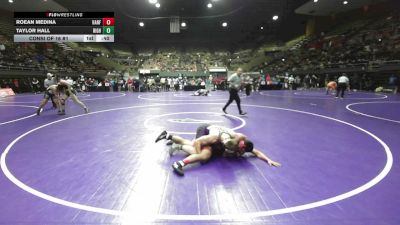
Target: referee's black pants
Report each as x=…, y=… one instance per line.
x=341, y=88
x=233, y=95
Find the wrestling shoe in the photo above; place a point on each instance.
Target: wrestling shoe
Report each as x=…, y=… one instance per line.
x=174, y=148
x=163, y=135
x=178, y=168
x=38, y=111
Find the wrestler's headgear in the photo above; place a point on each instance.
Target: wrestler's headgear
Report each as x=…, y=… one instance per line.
x=246, y=146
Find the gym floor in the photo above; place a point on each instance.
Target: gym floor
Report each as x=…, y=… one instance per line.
x=339, y=160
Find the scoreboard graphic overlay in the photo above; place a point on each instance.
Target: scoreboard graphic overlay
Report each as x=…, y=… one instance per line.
x=64, y=26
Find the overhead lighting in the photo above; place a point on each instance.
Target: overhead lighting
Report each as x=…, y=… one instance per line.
x=275, y=17
x=345, y=2
x=152, y=1
x=10, y=1
x=183, y=24
x=262, y=28
x=224, y=24
x=158, y=5
x=141, y=24
x=315, y=0
x=283, y=59
x=209, y=5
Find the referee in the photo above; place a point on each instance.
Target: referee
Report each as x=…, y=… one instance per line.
x=234, y=85
x=343, y=82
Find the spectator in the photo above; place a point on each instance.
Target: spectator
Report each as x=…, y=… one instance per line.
x=393, y=83
x=35, y=86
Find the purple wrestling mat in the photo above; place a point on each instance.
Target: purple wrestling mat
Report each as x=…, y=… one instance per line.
x=339, y=160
